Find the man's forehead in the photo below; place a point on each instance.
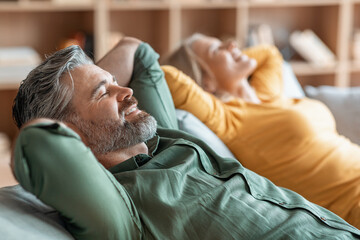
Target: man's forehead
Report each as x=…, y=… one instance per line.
x=85, y=79
x=89, y=75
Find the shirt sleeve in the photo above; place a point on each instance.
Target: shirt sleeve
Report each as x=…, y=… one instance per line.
x=52, y=163
x=150, y=87
x=267, y=79
x=222, y=118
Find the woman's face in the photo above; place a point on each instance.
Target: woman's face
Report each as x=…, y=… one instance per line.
x=225, y=61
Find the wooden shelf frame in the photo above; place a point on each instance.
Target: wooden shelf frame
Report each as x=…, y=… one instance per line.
x=46, y=6
x=166, y=25
x=175, y=28
x=293, y=3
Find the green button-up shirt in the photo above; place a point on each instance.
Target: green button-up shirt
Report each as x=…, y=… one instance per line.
x=186, y=191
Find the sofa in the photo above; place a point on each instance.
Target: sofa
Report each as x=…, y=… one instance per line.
x=23, y=216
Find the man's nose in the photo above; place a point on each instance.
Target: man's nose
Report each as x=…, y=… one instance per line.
x=123, y=93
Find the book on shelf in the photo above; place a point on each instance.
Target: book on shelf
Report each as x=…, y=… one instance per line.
x=265, y=34
x=16, y=63
x=261, y=34
x=312, y=48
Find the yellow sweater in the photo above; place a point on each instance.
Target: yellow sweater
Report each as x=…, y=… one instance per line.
x=293, y=142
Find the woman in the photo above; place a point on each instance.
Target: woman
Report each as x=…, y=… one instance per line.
x=293, y=142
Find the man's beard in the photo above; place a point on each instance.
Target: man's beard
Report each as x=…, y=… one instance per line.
x=112, y=135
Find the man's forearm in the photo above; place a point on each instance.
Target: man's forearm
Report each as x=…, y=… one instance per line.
x=119, y=61
x=51, y=162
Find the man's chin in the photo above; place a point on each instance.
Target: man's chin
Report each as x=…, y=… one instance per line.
x=140, y=129
x=111, y=135
x=149, y=125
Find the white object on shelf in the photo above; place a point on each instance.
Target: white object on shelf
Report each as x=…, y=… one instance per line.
x=13, y=75
x=15, y=64
x=261, y=34
x=18, y=56
x=311, y=48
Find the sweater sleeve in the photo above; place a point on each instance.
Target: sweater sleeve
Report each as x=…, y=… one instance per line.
x=267, y=79
x=222, y=118
x=150, y=87
x=52, y=162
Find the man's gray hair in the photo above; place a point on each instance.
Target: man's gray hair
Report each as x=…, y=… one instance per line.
x=44, y=93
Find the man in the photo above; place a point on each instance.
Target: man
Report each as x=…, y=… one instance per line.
x=164, y=185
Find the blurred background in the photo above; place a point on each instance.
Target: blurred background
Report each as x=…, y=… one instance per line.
x=320, y=39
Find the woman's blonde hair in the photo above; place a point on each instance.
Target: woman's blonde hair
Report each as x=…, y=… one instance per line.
x=187, y=61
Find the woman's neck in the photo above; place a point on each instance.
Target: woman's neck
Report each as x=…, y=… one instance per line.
x=241, y=90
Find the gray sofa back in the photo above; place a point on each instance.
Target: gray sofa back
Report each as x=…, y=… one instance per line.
x=23, y=216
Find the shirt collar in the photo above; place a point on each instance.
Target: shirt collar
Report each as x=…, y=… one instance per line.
x=138, y=160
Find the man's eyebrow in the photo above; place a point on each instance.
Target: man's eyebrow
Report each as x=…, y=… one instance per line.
x=96, y=89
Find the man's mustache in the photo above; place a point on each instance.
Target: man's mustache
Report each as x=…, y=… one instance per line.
x=126, y=103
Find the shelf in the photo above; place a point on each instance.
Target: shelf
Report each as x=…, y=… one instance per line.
x=55, y=27
x=187, y=4
x=214, y=22
x=306, y=69
x=355, y=79
x=284, y=22
x=139, y=5
x=142, y=26
x=355, y=67
x=153, y=4
x=165, y=23
x=293, y=3
x=44, y=24
x=43, y=7
x=9, y=86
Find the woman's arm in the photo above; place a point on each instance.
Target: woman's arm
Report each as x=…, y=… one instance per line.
x=222, y=118
x=51, y=161
x=267, y=79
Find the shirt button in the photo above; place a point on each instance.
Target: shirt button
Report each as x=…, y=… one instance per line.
x=323, y=219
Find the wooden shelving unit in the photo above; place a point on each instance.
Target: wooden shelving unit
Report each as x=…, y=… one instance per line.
x=42, y=24
x=164, y=23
